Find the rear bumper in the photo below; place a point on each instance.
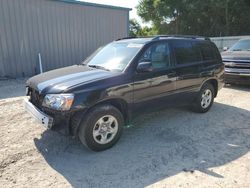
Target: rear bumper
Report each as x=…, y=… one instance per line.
x=41, y=117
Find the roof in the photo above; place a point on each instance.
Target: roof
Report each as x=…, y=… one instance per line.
x=143, y=40
x=94, y=4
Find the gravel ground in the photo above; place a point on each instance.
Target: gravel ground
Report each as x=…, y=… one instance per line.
x=170, y=148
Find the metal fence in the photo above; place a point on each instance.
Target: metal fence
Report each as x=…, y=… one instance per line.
x=222, y=42
x=64, y=31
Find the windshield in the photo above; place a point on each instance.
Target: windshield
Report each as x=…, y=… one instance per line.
x=242, y=45
x=114, y=56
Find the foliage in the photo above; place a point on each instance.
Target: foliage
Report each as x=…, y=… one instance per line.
x=135, y=29
x=197, y=17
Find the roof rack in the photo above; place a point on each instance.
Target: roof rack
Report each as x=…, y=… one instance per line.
x=181, y=36
x=168, y=36
x=136, y=37
x=125, y=38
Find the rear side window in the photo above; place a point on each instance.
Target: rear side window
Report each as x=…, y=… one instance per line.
x=186, y=52
x=208, y=52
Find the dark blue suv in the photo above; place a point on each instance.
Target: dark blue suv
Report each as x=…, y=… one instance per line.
x=95, y=99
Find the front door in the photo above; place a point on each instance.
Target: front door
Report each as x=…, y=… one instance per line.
x=151, y=89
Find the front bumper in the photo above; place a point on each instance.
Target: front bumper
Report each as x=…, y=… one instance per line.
x=235, y=75
x=41, y=117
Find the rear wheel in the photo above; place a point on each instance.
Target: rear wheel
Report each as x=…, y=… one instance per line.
x=205, y=98
x=101, y=128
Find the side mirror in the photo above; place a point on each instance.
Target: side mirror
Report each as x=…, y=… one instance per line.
x=225, y=48
x=144, y=67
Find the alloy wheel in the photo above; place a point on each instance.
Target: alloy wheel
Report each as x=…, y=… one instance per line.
x=105, y=129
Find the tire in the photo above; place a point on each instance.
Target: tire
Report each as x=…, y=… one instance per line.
x=101, y=128
x=204, y=99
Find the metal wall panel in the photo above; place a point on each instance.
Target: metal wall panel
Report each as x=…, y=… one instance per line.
x=65, y=33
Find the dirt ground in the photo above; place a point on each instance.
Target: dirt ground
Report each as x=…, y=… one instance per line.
x=171, y=148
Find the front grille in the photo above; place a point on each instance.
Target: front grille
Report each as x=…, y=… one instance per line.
x=35, y=97
x=237, y=64
x=237, y=67
x=236, y=70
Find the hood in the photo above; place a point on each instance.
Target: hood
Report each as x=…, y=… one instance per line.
x=59, y=80
x=236, y=55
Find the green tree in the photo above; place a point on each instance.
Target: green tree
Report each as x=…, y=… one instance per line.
x=135, y=29
x=197, y=17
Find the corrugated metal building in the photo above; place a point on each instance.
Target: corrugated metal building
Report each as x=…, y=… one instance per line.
x=65, y=32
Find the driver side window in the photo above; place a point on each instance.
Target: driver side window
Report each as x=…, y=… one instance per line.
x=158, y=54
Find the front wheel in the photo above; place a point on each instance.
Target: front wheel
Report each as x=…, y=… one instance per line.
x=101, y=128
x=205, y=98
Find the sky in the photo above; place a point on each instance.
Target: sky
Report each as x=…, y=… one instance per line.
x=121, y=3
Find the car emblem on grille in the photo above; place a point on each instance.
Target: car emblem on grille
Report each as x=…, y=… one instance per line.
x=231, y=64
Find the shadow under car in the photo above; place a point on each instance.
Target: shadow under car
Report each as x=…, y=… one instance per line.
x=159, y=145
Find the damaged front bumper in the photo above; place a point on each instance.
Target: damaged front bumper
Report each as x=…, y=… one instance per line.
x=41, y=117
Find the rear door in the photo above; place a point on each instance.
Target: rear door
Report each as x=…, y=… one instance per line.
x=188, y=59
x=211, y=59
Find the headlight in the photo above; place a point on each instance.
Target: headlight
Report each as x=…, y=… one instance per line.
x=58, y=101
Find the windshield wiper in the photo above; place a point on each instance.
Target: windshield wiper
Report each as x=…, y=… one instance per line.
x=237, y=49
x=98, y=67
